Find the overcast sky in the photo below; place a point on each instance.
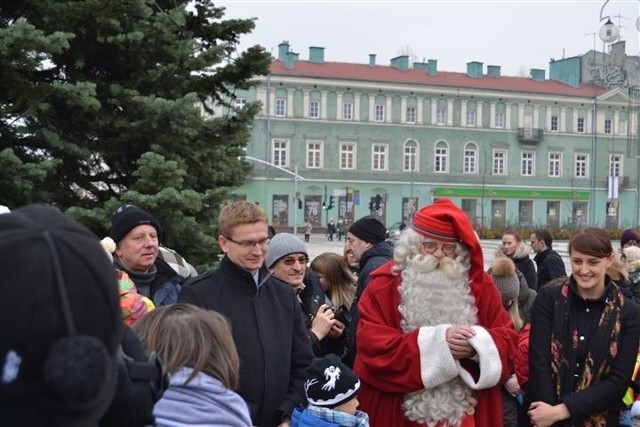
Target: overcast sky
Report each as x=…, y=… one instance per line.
x=516, y=35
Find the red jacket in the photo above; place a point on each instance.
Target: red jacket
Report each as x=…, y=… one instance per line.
x=388, y=360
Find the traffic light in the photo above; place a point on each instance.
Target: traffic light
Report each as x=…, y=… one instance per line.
x=378, y=200
x=371, y=206
x=324, y=206
x=330, y=203
x=299, y=204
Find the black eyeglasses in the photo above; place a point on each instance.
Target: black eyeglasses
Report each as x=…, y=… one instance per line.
x=432, y=247
x=250, y=244
x=303, y=260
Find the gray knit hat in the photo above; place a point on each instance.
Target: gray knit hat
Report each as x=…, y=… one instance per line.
x=281, y=245
x=504, y=274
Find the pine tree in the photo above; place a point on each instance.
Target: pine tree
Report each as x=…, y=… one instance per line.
x=88, y=87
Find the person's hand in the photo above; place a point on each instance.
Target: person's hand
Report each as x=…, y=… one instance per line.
x=512, y=385
x=322, y=322
x=336, y=330
x=458, y=341
x=284, y=423
x=542, y=414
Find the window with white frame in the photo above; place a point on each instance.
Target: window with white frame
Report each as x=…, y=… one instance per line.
x=441, y=157
x=582, y=163
x=555, y=165
x=499, y=162
x=410, y=163
x=379, y=157
x=239, y=103
x=281, y=107
x=470, y=159
x=622, y=126
x=470, y=119
x=411, y=114
x=527, y=163
x=280, y=152
x=499, y=119
x=615, y=165
x=379, y=113
x=580, y=125
x=347, y=155
x=441, y=112
x=347, y=111
x=314, y=154
x=314, y=109
x=607, y=126
x=554, y=123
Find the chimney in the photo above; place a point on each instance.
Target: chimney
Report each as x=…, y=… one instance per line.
x=400, y=62
x=537, y=74
x=372, y=59
x=283, y=48
x=474, y=69
x=316, y=54
x=432, y=66
x=493, y=70
x=291, y=59
x=422, y=66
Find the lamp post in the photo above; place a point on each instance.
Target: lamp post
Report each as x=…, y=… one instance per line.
x=296, y=177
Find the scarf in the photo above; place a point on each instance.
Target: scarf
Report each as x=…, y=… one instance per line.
x=602, y=349
x=142, y=280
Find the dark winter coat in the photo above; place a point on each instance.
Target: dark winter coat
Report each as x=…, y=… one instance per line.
x=550, y=266
x=525, y=264
x=371, y=259
x=269, y=332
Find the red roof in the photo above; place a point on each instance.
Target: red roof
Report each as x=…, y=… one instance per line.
x=389, y=74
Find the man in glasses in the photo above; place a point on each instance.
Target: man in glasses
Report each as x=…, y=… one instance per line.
x=433, y=340
x=268, y=327
x=287, y=260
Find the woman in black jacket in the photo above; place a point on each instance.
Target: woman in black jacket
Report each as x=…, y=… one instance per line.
x=518, y=251
x=583, y=343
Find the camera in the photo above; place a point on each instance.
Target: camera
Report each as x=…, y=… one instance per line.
x=342, y=314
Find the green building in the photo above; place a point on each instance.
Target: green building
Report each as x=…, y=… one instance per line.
x=388, y=139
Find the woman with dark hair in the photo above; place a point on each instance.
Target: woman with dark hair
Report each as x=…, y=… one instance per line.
x=198, y=352
x=583, y=343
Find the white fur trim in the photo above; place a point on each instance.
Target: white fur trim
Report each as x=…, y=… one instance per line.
x=437, y=365
x=489, y=361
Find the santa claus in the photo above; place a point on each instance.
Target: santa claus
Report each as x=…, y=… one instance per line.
x=434, y=341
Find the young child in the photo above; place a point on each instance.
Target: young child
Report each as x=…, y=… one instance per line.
x=332, y=391
x=198, y=351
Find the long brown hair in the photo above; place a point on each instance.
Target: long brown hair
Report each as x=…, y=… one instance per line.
x=184, y=335
x=336, y=273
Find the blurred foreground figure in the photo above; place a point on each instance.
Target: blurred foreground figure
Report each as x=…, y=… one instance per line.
x=62, y=325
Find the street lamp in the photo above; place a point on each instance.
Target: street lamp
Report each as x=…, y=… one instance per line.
x=296, y=177
x=609, y=32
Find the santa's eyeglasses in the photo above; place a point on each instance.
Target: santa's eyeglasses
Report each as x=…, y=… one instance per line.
x=432, y=247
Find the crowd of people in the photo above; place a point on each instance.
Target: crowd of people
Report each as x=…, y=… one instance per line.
x=411, y=332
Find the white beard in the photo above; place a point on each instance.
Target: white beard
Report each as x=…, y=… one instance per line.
x=435, y=292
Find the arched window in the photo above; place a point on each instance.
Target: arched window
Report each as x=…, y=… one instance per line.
x=410, y=156
x=470, y=157
x=441, y=157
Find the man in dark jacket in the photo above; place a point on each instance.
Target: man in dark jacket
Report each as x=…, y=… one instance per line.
x=267, y=323
x=549, y=262
x=157, y=272
x=366, y=239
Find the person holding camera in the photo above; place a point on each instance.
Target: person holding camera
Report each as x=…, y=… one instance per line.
x=287, y=260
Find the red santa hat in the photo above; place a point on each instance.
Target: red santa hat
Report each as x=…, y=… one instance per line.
x=446, y=222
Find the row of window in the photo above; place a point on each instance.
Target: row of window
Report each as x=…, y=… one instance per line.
x=441, y=159
x=499, y=119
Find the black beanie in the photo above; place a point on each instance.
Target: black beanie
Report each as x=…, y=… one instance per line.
x=128, y=217
x=368, y=229
x=330, y=383
x=59, y=305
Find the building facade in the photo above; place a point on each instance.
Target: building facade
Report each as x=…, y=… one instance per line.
x=388, y=139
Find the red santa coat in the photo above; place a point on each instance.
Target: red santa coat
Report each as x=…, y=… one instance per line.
x=391, y=363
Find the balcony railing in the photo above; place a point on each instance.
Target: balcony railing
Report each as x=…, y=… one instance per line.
x=529, y=134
